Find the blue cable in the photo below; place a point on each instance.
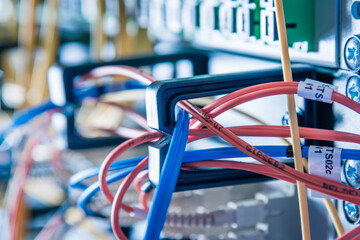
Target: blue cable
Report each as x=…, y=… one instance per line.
x=201, y=155
x=168, y=178
x=189, y=156
x=95, y=187
x=25, y=116
x=76, y=179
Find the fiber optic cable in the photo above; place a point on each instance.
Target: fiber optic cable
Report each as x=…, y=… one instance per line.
x=234, y=140
x=202, y=155
x=168, y=178
x=227, y=135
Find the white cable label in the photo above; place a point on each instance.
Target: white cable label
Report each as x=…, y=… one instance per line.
x=314, y=91
x=324, y=162
x=333, y=87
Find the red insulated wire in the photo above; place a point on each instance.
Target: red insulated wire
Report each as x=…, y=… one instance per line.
x=220, y=101
x=143, y=199
x=121, y=131
x=113, y=155
x=137, y=181
x=351, y=235
x=117, y=205
x=16, y=194
x=279, y=131
x=119, y=70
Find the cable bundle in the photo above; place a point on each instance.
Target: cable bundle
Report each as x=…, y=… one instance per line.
x=189, y=130
x=269, y=166
x=129, y=169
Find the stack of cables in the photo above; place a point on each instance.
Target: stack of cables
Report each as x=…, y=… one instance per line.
x=192, y=129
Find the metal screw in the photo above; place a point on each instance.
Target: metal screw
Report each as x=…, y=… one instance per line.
x=352, y=212
x=353, y=88
x=355, y=10
x=352, y=53
x=352, y=173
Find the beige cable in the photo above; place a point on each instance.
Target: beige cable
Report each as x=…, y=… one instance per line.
x=330, y=207
x=294, y=128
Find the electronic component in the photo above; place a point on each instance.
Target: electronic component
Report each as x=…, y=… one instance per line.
x=249, y=27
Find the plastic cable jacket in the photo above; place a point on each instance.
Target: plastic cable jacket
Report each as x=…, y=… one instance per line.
x=95, y=187
x=76, y=179
x=202, y=155
x=168, y=178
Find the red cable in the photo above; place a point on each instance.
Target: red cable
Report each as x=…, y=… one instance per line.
x=126, y=71
x=268, y=89
x=196, y=134
x=143, y=199
x=16, y=194
x=137, y=181
x=117, y=205
x=220, y=101
x=279, y=131
x=143, y=196
x=114, y=154
x=121, y=131
x=351, y=235
x=50, y=227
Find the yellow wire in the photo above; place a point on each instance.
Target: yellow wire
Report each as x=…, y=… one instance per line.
x=294, y=128
x=330, y=207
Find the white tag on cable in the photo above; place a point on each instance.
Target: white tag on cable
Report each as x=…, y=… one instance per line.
x=314, y=91
x=324, y=162
x=333, y=87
